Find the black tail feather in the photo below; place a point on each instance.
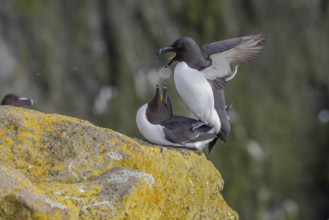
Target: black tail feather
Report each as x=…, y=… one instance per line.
x=211, y=144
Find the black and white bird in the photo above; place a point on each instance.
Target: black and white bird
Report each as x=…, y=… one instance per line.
x=200, y=81
x=18, y=101
x=156, y=122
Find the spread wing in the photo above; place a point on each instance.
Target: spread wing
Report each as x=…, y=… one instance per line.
x=178, y=129
x=227, y=55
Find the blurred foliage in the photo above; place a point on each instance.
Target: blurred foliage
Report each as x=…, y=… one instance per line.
x=96, y=60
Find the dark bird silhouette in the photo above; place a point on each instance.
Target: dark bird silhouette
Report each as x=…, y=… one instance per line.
x=15, y=100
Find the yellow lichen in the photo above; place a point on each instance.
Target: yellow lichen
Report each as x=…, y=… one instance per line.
x=63, y=159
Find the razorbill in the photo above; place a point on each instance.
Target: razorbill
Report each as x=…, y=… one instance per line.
x=15, y=100
x=200, y=81
x=156, y=122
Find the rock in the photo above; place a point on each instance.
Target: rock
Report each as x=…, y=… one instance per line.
x=58, y=167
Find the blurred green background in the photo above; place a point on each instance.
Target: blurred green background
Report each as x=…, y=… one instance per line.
x=96, y=60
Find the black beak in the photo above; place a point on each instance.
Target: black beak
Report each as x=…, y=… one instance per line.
x=165, y=50
x=164, y=93
x=168, y=50
x=166, y=99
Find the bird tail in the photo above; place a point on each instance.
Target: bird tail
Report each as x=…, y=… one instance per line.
x=211, y=144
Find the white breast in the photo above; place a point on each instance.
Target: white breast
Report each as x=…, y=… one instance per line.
x=197, y=94
x=198, y=145
x=152, y=133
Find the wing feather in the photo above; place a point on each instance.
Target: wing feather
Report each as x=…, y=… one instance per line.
x=227, y=55
x=178, y=129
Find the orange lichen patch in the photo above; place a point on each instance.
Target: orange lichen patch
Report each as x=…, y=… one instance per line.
x=58, y=167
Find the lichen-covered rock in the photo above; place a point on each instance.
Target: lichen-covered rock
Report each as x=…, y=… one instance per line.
x=57, y=167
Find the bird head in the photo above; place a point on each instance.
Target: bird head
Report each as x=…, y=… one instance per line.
x=183, y=49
